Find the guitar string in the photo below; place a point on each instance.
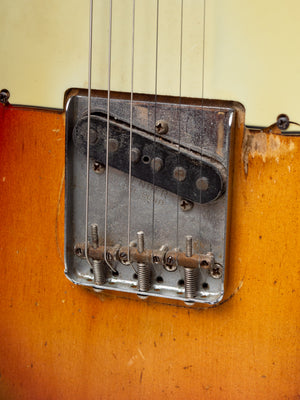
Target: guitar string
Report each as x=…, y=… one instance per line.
x=130, y=134
x=88, y=129
x=179, y=122
x=155, y=114
x=107, y=140
x=202, y=101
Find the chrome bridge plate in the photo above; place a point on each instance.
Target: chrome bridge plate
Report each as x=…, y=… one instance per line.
x=179, y=189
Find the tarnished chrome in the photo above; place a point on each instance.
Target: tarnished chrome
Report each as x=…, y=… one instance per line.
x=140, y=241
x=99, y=272
x=94, y=235
x=198, y=278
x=189, y=246
x=144, y=277
x=190, y=282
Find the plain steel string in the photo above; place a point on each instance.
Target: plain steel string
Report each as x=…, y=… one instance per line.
x=179, y=118
x=202, y=95
x=130, y=131
x=107, y=138
x=88, y=130
x=154, y=141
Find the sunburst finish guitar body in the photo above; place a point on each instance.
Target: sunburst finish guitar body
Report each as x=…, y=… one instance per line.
x=236, y=335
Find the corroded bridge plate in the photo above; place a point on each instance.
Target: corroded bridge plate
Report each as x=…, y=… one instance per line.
x=168, y=202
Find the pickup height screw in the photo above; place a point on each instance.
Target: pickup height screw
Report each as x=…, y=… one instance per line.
x=140, y=241
x=186, y=205
x=161, y=127
x=179, y=174
x=98, y=168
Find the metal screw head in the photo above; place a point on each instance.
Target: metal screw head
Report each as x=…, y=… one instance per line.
x=98, y=167
x=217, y=271
x=204, y=264
x=283, y=122
x=109, y=256
x=161, y=127
x=79, y=252
x=170, y=264
x=170, y=260
x=156, y=259
x=123, y=257
x=186, y=205
x=179, y=174
x=4, y=96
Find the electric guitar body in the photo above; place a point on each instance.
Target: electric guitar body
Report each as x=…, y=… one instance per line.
x=233, y=332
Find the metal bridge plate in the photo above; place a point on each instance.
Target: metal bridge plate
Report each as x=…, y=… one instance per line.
x=179, y=196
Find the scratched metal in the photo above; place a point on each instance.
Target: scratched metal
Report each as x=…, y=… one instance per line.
x=209, y=129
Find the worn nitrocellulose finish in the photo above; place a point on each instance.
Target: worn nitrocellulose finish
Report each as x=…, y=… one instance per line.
x=59, y=341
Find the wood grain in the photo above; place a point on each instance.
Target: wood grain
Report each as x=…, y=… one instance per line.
x=59, y=341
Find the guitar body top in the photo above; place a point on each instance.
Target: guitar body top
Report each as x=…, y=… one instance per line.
x=62, y=341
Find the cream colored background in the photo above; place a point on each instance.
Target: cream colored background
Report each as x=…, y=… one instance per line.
x=251, y=51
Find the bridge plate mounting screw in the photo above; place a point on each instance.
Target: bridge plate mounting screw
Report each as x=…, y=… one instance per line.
x=217, y=271
x=186, y=205
x=98, y=167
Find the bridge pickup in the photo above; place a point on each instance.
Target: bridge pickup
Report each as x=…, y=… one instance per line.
x=155, y=159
